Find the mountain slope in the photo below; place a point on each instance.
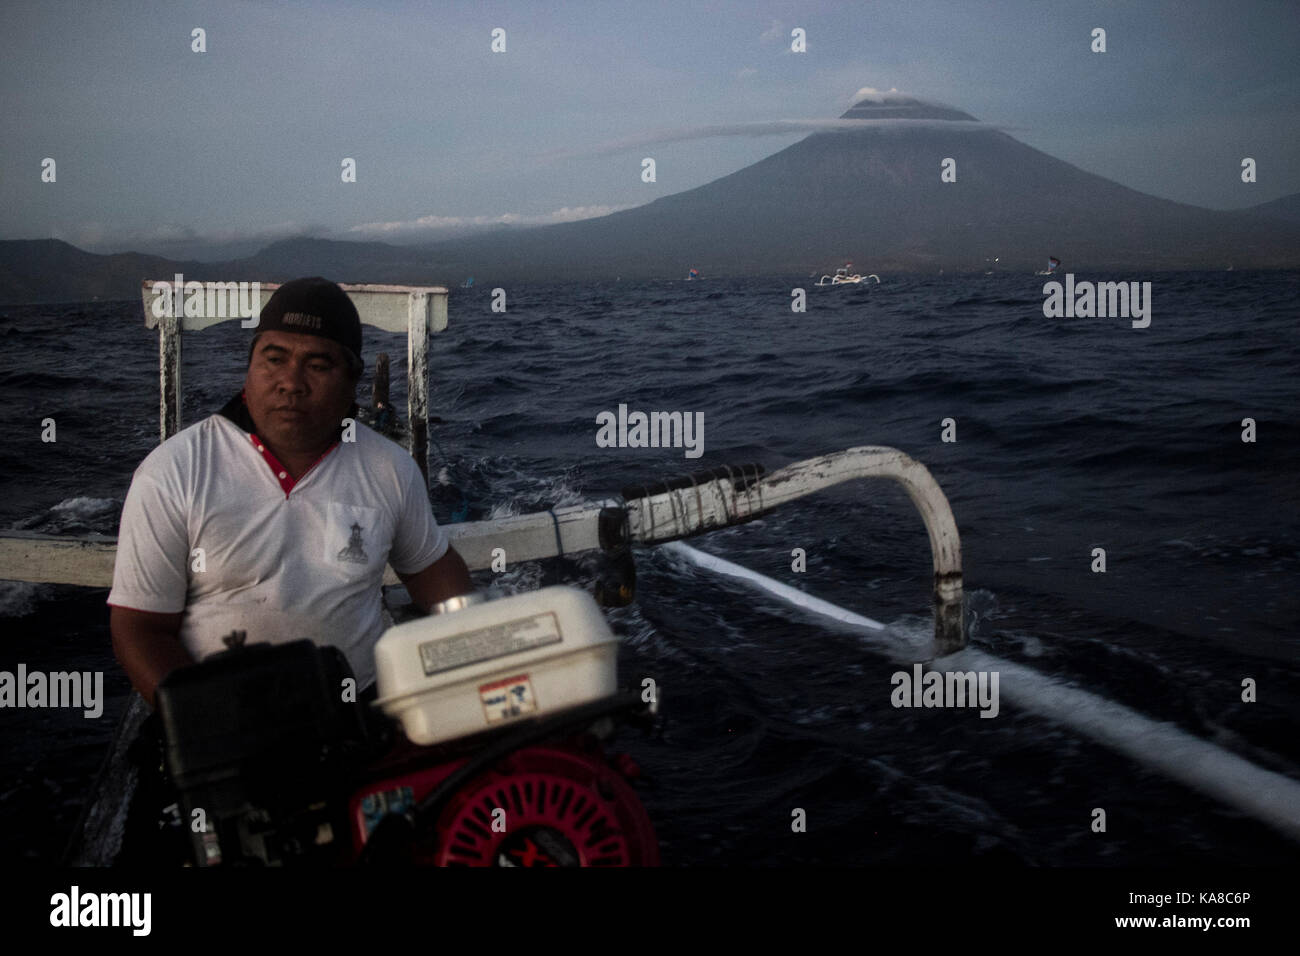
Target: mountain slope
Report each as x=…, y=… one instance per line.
x=1287, y=208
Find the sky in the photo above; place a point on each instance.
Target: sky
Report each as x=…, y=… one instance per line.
x=162, y=149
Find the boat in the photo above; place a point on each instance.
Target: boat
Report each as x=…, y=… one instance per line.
x=382, y=786
x=1053, y=264
x=844, y=277
x=413, y=776
x=693, y=274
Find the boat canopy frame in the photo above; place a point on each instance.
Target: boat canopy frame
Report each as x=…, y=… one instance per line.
x=417, y=310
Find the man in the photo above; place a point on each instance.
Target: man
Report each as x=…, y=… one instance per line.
x=274, y=516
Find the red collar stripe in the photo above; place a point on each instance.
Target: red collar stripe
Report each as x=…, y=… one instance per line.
x=286, y=480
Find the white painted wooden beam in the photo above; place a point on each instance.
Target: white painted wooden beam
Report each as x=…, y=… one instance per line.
x=57, y=559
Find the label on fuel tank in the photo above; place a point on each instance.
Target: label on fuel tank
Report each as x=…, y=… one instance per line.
x=511, y=697
x=486, y=643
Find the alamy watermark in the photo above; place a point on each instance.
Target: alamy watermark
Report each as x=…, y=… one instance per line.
x=24, y=688
x=655, y=430
x=75, y=908
x=224, y=300
x=1101, y=300
x=946, y=689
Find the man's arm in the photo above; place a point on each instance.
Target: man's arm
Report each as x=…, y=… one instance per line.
x=148, y=646
x=446, y=577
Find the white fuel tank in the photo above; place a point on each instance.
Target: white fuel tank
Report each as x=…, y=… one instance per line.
x=475, y=669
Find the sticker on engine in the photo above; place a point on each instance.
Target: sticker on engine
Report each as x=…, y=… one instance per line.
x=486, y=643
x=507, y=698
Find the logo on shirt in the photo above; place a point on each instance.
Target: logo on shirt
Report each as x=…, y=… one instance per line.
x=354, y=552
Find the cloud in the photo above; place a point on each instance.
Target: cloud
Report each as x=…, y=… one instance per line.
x=183, y=242
x=425, y=227
x=869, y=94
x=878, y=96
x=763, y=128
x=773, y=33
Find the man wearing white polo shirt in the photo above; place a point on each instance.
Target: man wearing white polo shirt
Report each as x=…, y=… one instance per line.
x=274, y=516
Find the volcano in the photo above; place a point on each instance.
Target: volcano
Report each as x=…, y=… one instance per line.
x=874, y=195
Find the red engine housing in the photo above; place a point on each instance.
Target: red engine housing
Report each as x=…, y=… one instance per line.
x=559, y=804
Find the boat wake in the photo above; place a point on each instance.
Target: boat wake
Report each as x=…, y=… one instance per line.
x=1264, y=794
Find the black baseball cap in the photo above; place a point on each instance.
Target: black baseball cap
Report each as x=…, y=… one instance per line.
x=313, y=306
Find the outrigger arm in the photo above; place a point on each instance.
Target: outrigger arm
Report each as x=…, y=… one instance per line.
x=722, y=498
x=648, y=515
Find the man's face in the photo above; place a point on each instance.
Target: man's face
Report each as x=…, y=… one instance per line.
x=298, y=391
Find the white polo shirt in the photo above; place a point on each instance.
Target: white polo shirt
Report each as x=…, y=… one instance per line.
x=280, y=559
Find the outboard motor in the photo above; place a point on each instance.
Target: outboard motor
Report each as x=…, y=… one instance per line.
x=490, y=753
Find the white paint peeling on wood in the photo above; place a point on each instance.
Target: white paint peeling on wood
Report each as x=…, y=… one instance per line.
x=417, y=377
x=169, y=378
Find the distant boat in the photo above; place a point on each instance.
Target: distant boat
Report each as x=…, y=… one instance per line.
x=468, y=283
x=1053, y=264
x=844, y=277
x=693, y=274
